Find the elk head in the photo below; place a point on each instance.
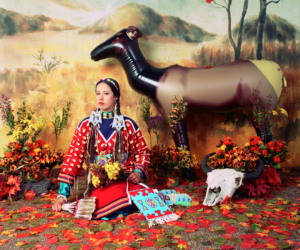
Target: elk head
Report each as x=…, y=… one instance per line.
x=117, y=44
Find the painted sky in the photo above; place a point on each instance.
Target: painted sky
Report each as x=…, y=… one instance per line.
x=207, y=16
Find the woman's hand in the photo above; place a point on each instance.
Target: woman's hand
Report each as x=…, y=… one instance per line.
x=58, y=204
x=134, y=177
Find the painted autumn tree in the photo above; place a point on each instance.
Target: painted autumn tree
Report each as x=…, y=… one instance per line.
x=260, y=28
x=236, y=47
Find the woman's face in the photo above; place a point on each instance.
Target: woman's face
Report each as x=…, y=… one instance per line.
x=105, y=97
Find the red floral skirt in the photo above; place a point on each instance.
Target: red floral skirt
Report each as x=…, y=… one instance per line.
x=112, y=198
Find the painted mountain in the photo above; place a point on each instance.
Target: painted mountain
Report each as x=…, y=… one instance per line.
x=276, y=29
x=150, y=23
x=13, y=23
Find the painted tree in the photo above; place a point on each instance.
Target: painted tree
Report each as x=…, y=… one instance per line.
x=261, y=25
x=236, y=47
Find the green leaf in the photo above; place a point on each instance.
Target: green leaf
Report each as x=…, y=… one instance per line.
x=218, y=240
x=206, y=243
x=231, y=221
x=216, y=208
x=105, y=226
x=276, y=166
x=242, y=218
x=284, y=245
x=10, y=133
x=281, y=237
x=208, y=217
x=178, y=229
x=236, y=241
x=255, y=227
x=196, y=237
x=196, y=215
x=30, y=245
x=74, y=246
x=135, y=245
x=162, y=241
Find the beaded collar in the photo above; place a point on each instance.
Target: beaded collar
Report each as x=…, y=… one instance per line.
x=108, y=115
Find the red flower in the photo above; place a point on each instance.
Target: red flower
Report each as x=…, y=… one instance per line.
x=16, y=152
x=271, y=144
x=264, y=152
x=276, y=159
x=41, y=142
x=280, y=144
x=31, y=153
x=278, y=149
x=272, y=148
x=29, y=144
x=253, y=142
x=17, y=146
x=209, y=1
x=8, y=155
x=227, y=142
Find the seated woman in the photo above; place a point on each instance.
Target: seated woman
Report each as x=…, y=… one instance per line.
x=119, y=138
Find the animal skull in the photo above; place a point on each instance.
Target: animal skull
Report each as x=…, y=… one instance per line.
x=221, y=183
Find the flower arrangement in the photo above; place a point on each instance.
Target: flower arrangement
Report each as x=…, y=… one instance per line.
x=30, y=160
x=145, y=110
x=154, y=124
x=60, y=122
x=177, y=113
x=272, y=153
x=167, y=161
x=229, y=155
x=262, y=113
x=106, y=172
x=23, y=127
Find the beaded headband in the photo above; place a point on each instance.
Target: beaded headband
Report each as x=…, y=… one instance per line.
x=111, y=81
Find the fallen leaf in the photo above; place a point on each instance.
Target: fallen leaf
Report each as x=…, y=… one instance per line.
x=52, y=240
x=29, y=195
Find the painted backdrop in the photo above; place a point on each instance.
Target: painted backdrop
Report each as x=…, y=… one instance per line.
x=37, y=34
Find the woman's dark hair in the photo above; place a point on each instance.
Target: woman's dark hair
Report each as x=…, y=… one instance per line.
x=115, y=88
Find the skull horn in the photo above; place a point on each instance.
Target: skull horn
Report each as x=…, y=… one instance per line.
x=254, y=175
x=206, y=169
x=247, y=176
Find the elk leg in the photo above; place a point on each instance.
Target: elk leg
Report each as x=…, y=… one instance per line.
x=181, y=140
x=180, y=136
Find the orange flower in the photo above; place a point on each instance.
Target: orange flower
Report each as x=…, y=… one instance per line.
x=8, y=154
x=13, y=167
x=36, y=168
x=51, y=124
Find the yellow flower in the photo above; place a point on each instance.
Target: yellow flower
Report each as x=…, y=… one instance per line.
x=283, y=112
x=37, y=150
x=247, y=144
x=260, y=142
x=223, y=147
x=46, y=146
x=95, y=181
x=274, y=112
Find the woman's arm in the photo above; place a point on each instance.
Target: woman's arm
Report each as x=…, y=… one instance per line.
x=139, y=151
x=72, y=165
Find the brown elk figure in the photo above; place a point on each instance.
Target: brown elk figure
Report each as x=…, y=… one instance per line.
x=222, y=88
